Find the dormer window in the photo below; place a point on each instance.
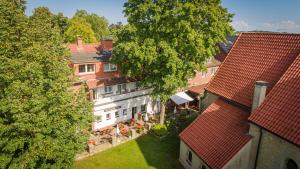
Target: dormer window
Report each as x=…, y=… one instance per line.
x=87, y=69
x=108, y=67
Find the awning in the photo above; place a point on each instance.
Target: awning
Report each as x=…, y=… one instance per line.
x=181, y=98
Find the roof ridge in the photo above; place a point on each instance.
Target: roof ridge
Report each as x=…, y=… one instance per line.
x=277, y=33
x=222, y=63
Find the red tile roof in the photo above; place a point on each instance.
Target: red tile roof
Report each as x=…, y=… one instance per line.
x=197, y=89
x=254, y=56
x=218, y=133
x=107, y=82
x=280, y=111
x=86, y=48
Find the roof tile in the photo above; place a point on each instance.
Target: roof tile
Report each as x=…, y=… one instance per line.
x=218, y=133
x=254, y=56
x=280, y=111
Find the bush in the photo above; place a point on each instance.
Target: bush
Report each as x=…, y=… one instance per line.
x=159, y=129
x=171, y=125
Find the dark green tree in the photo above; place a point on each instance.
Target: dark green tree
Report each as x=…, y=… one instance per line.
x=62, y=22
x=41, y=118
x=98, y=23
x=165, y=42
x=114, y=30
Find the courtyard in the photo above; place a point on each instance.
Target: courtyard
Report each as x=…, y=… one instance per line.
x=145, y=152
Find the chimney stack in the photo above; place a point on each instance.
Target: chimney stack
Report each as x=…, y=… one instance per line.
x=259, y=95
x=106, y=44
x=79, y=42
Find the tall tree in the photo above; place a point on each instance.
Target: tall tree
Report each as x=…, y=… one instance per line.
x=80, y=27
x=62, y=22
x=41, y=118
x=98, y=23
x=114, y=30
x=165, y=42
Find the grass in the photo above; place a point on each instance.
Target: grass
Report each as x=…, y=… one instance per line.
x=146, y=152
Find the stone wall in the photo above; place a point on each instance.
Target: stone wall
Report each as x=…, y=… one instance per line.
x=183, y=156
x=274, y=152
x=207, y=100
x=240, y=160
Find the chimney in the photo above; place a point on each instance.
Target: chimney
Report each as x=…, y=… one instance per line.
x=79, y=42
x=106, y=44
x=259, y=95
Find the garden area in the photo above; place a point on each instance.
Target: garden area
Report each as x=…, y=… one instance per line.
x=145, y=152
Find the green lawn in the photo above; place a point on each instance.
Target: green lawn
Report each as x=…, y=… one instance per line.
x=146, y=152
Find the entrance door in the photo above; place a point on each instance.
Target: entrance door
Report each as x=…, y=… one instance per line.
x=133, y=111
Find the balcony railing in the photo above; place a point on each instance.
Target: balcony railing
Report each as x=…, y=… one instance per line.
x=127, y=94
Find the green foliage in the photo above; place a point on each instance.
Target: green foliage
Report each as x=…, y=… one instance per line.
x=62, y=22
x=59, y=21
x=41, y=119
x=99, y=24
x=159, y=129
x=80, y=27
x=115, y=29
x=171, y=125
x=166, y=41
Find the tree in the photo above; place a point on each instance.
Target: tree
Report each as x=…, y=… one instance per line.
x=98, y=23
x=41, y=118
x=114, y=30
x=80, y=27
x=166, y=41
x=62, y=22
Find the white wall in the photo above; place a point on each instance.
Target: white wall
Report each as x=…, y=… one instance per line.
x=125, y=104
x=196, y=161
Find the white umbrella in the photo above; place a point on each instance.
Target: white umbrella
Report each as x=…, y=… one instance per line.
x=146, y=117
x=175, y=111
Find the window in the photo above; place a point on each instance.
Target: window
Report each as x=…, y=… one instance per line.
x=88, y=68
x=108, y=116
x=189, y=157
x=95, y=94
x=98, y=118
x=117, y=114
x=108, y=67
x=202, y=166
x=121, y=88
x=124, y=112
x=204, y=73
x=138, y=85
x=108, y=89
x=213, y=71
x=81, y=68
x=143, y=108
x=291, y=164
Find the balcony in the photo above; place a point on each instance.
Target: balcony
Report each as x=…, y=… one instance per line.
x=106, y=98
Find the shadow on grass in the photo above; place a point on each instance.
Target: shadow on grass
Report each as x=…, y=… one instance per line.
x=160, y=154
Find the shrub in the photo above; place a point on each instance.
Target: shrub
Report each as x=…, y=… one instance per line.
x=159, y=129
x=171, y=125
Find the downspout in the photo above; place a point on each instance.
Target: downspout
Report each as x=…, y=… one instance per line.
x=259, y=95
x=258, y=148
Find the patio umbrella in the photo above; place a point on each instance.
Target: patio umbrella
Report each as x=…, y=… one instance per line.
x=175, y=111
x=118, y=130
x=146, y=117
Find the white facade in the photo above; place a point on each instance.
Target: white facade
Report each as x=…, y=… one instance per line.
x=112, y=106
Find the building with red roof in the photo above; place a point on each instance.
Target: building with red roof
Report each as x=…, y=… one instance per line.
x=116, y=98
x=239, y=128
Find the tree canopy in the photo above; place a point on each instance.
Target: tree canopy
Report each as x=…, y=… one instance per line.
x=78, y=26
x=165, y=42
x=41, y=118
x=98, y=23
